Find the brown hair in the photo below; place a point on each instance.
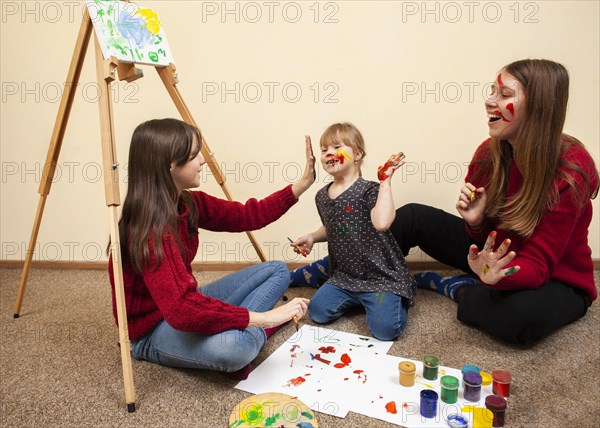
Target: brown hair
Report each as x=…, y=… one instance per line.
x=347, y=134
x=150, y=207
x=536, y=150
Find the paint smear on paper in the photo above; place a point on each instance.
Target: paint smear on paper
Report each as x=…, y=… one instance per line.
x=361, y=375
x=391, y=407
x=327, y=349
x=345, y=358
x=297, y=381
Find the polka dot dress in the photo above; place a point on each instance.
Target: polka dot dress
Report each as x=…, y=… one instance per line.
x=361, y=258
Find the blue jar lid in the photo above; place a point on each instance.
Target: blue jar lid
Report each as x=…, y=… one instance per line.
x=457, y=421
x=469, y=368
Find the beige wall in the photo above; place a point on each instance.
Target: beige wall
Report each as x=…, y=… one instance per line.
x=410, y=75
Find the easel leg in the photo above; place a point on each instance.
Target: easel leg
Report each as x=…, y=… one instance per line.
x=29, y=255
x=105, y=72
x=60, y=125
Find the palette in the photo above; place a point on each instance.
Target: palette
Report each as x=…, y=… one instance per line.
x=272, y=409
x=334, y=372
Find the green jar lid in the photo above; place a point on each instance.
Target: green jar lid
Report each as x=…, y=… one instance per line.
x=431, y=361
x=449, y=382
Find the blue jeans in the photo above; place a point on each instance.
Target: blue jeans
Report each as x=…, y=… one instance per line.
x=386, y=315
x=257, y=288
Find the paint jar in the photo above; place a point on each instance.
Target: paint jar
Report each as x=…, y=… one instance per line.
x=468, y=368
x=472, y=390
x=430, y=367
x=501, y=383
x=497, y=405
x=449, y=392
x=457, y=421
x=428, y=408
x=486, y=378
x=407, y=373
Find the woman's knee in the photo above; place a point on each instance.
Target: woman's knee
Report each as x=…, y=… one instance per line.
x=236, y=349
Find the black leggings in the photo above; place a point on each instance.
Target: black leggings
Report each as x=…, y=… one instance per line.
x=523, y=316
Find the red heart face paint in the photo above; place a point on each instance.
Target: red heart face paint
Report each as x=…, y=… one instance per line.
x=505, y=107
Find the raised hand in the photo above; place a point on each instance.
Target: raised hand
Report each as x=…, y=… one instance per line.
x=471, y=204
x=309, y=176
x=386, y=171
x=489, y=264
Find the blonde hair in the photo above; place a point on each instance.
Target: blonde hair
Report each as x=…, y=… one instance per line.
x=349, y=135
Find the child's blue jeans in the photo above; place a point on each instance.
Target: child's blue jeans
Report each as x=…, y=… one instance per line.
x=386, y=313
x=257, y=288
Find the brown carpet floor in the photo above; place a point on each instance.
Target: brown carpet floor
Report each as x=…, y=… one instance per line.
x=60, y=364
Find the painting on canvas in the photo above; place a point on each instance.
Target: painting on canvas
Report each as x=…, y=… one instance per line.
x=129, y=32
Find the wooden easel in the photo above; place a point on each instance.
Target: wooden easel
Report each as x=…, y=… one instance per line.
x=106, y=72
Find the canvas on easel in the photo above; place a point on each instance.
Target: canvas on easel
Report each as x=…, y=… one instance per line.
x=108, y=69
x=129, y=33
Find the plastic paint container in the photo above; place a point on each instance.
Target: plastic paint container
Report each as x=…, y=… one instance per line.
x=449, y=392
x=457, y=421
x=472, y=390
x=486, y=378
x=497, y=405
x=430, y=367
x=407, y=373
x=468, y=368
x=501, y=383
x=428, y=408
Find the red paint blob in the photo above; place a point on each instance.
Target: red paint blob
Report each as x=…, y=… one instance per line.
x=327, y=349
x=345, y=361
x=348, y=209
x=499, y=80
x=296, y=381
x=511, y=108
x=341, y=158
x=391, y=407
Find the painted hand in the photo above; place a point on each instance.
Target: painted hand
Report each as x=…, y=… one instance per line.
x=386, y=171
x=489, y=264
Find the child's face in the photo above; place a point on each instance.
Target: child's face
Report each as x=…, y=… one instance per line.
x=338, y=158
x=187, y=176
x=505, y=107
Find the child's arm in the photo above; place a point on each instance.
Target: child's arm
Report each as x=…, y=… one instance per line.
x=384, y=212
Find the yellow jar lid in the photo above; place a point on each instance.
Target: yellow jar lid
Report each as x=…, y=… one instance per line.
x=486, y=378
x=407, y=367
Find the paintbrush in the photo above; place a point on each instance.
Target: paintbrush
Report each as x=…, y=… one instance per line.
x=295, y=319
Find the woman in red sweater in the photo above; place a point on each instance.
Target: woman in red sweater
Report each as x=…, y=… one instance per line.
x=171, y=321
x=528, y=188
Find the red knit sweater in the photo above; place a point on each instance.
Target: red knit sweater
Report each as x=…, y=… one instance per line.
x=558, y=248
x=169, y=292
